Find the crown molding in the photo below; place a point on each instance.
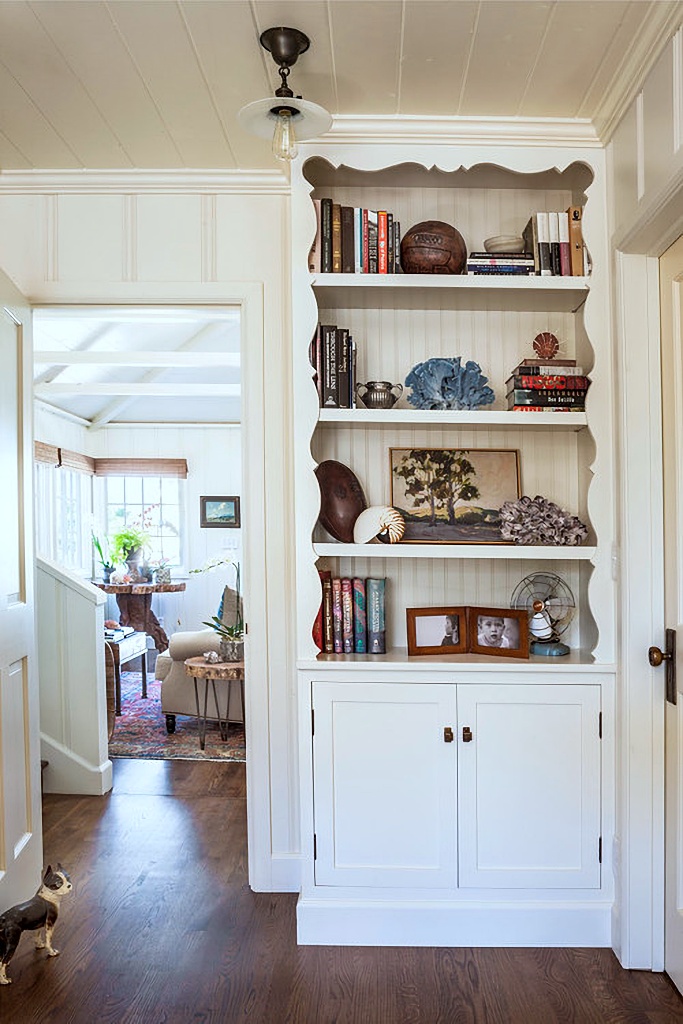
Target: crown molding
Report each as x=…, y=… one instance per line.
x=663, y=22
x=85, y=182
x=519, y=131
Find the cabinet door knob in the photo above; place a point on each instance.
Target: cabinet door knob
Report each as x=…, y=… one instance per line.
x=466, y=734
x=448, y=734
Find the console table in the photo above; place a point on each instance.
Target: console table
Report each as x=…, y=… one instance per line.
x=135, y=606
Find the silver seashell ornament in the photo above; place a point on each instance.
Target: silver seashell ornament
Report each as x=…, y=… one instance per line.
x=379, y=521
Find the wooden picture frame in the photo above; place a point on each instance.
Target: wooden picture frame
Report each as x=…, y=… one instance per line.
x=221, y=512
x=498, y=632
x=428, y=630
x=453, y=495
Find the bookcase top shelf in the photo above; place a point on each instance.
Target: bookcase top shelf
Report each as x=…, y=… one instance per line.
x=492, y=551
x=466, y=291
x=483, y=418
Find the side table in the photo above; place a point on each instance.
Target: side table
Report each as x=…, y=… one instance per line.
x=135, y=606
x=124, y=650
x=222, y=671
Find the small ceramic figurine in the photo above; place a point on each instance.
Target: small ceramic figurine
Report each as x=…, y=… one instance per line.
x=40, y=912
x=211, y=657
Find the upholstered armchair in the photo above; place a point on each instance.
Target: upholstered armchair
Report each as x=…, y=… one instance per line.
x=177, y=688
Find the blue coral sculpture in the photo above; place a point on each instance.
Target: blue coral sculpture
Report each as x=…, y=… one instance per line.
x=445, y=384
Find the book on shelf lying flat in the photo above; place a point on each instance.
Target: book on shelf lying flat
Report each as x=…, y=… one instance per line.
x=547, y=382
x=524, y=396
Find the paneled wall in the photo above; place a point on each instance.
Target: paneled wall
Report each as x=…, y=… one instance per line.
x=176, y=244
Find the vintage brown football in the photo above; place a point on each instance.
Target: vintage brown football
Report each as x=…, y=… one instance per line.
x=341, y=499
x=433, y=247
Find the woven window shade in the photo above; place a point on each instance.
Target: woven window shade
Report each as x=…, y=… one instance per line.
x=141, y=467
x=74, y=460
x=48, y=453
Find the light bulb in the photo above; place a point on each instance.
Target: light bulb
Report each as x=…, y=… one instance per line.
x=284, y=139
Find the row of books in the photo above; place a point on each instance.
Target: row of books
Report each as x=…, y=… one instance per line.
x=555, y=240
x=353, y=240
x=502, y=263
x=351, y=619
x=333, y=356
x=559, y=386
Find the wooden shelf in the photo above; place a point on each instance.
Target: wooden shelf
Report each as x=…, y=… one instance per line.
x=424, y=291
x=397, y=657
x=492, y=551
x=478, y=418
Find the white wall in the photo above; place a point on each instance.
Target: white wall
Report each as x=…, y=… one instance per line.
x=100, y=244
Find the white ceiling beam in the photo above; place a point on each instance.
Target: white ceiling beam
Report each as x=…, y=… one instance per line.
x=50, y=373
x=119, y=404
x=144, y=390
x=166, y=360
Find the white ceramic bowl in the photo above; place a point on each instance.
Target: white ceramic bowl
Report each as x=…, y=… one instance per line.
x=504, y=243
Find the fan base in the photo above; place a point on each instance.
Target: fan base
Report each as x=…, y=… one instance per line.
x=548, y=648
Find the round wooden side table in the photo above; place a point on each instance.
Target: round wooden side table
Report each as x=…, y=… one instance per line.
x=222, y=671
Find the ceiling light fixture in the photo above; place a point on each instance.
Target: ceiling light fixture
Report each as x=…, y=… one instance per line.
x=286, y=118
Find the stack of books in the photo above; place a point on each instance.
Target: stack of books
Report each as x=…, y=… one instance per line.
x=501, y=263
x=353, y=240
x=117, y=633
x=558, y=385
x=555, y=240
x=351, y=619
x=333, y=356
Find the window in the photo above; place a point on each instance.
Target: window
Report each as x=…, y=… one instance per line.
x=153, y=501
x=63, y=514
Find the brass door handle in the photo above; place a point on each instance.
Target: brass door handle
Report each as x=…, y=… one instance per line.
x=656, y=657
x=466, y=734
x=448, y=734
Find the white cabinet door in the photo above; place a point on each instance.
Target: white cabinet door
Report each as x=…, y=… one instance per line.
x=529, y=786
x=385, y=784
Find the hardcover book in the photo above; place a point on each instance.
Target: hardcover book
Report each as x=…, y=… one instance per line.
x=375, y=613
x=330, y=369
x=565, y=255
x=382, y=255
x=360, y=633
x=336, y=239
x=547, y=382
x=337, y=614
x=328, y=629
x=347, y=240
x=358, y=240
x=543, y=235
x=527, y=396
x=574, y=215
x=347, y=615
x=343, y=368
x=318, y=631
x=372, y=241
x=326, y=236
x=567, y=367
x=554, y=236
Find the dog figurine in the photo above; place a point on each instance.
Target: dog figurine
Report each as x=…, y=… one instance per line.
x=40, y=912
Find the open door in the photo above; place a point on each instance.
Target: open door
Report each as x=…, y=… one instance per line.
x=671, y=301
x=20, y=805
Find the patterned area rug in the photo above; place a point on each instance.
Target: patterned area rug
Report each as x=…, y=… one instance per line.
x=140, y=731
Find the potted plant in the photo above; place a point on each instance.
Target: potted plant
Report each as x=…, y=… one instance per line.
x=231, y=637
x=107, y=565
x=127, y=545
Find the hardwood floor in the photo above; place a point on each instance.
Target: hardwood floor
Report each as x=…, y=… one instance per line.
x=162, y=928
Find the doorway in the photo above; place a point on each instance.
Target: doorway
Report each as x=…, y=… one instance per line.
x=127, y=395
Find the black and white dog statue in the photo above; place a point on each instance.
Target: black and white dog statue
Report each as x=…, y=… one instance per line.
x=40, y=912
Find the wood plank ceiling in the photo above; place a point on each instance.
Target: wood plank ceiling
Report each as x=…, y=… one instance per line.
x=158, y=83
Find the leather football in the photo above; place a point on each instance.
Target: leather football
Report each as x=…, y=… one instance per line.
x=341, y=499
x=433, y=247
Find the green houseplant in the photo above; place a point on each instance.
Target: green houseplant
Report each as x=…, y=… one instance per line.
x=105, y=562
x=127, y=544
x=230, y=636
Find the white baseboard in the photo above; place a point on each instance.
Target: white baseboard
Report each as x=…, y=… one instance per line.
x=68, y=773
x=281, y=873
x=350, y=923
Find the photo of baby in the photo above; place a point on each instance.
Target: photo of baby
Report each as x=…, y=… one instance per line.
x=497, y=631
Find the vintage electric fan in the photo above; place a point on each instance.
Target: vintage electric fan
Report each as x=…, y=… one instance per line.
x=550, y=605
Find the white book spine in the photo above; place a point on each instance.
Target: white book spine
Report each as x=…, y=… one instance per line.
x=358, y=240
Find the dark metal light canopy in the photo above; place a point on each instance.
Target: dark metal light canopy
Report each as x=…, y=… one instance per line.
x=285, y=117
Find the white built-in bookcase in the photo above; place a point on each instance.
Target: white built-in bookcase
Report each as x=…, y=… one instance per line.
x=400, y=320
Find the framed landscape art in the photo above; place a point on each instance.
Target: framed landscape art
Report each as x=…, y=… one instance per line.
x=453, y=495
x=220, y=511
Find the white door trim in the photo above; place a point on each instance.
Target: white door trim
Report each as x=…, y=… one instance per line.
x=248, y=296
x=638, y=932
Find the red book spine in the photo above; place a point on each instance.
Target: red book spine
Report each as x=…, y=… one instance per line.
x=382, y=254
x=347, y=616
x=366, y=259
x=337, y=615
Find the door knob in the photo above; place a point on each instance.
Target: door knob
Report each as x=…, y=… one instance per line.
x=656, y=657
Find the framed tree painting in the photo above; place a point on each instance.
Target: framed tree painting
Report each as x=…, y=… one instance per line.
x=453, y=495
x=220, y=511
